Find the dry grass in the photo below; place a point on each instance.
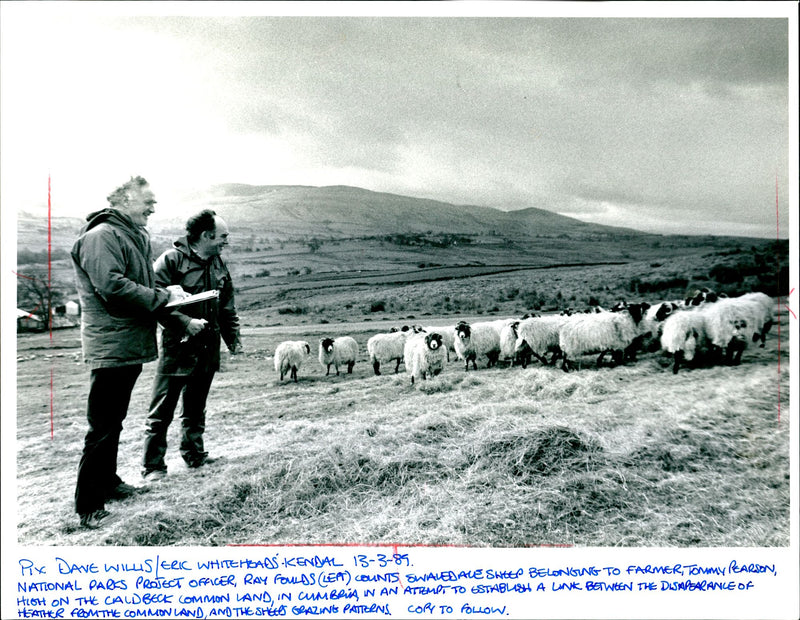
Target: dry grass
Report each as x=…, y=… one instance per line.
x=628, y=456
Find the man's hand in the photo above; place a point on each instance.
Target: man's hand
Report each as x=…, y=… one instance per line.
x=236, y=349
x=176, y=293
x=194, y=327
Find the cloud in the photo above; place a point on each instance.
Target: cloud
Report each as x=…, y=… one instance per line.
x=672, y=115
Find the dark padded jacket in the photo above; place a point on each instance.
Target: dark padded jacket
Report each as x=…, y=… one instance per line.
x=113, y=265
x=180, y=355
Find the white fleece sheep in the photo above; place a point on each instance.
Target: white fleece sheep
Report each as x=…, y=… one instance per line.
x=477, y=339
x=448, y=336
x=508, y=342
x=765, y=316
x=540, y=334
x=336, y=352
x=383, y=348
x=289, y=357
x=683, y=333
x=731, y=323
x=425, y=355
x=604, y=332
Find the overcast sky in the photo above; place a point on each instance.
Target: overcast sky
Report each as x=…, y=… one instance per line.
x=665, y=125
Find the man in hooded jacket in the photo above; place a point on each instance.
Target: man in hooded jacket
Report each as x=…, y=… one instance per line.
x=112, y=259
x=190, y=341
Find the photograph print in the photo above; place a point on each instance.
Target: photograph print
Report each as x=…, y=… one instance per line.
x=473, y=281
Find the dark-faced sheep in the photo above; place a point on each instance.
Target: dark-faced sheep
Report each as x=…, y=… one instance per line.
x=476, y=340
x=336, y=352
x=425, y=355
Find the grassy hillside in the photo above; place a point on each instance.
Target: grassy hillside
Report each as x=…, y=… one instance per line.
x=506, y=457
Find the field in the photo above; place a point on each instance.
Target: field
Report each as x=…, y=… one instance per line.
x=503, y=457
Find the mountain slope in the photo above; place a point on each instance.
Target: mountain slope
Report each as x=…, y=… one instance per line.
x=342, y=211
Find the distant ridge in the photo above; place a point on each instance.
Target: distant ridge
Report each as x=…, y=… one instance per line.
x=344, y=211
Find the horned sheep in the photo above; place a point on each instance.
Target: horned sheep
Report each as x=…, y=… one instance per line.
x=289, y=357
x=424, y=355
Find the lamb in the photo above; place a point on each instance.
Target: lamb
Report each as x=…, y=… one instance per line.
x=383, y=348
x=338, y=351
x=614, y=332
x=683, y=334
x=290, y=355
x=424, y=355
x=540, y=335
x=477, y=339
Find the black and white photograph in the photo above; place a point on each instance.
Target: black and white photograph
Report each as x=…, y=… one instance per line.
x=453, y=276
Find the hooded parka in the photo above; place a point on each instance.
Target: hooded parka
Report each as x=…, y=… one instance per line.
x=113, y=266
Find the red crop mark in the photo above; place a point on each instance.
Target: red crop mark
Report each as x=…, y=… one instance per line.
x=788, y=308
x=52, y=420
x=49, y=260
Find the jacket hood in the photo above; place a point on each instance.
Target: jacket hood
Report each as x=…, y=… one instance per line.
x=109, y=215
x=182, y=245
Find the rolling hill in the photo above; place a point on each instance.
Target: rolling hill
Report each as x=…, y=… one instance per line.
x=346, y=212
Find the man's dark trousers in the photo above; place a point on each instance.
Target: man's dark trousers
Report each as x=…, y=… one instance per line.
x=109, y=396
x=166, y=391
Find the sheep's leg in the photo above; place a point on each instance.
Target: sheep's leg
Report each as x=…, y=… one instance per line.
x=376, y=366
x=328, y=371
x=350, y=367
x=294, y=373
x=543, y=360
x=601, y=357
x=565, y=364
x=412, y=379
x=337, y=369
x=397, y=367
x=494, y=357
x=617, y=357
x=678, y=360
x=281, y=375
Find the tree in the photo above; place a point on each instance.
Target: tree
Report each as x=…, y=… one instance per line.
x=36, y=295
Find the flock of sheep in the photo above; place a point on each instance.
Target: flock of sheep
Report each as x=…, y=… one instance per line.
x=703, y=324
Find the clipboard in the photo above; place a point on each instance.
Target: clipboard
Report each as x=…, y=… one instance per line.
x=192, y=299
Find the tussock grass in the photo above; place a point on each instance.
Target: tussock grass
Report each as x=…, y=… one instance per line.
x=504, y=457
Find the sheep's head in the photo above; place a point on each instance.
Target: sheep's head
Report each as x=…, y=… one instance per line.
x=463, y=330
x=665, y=309
x=326, y=344
x=433, y=341
x=637, y=311
x=739, y=325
